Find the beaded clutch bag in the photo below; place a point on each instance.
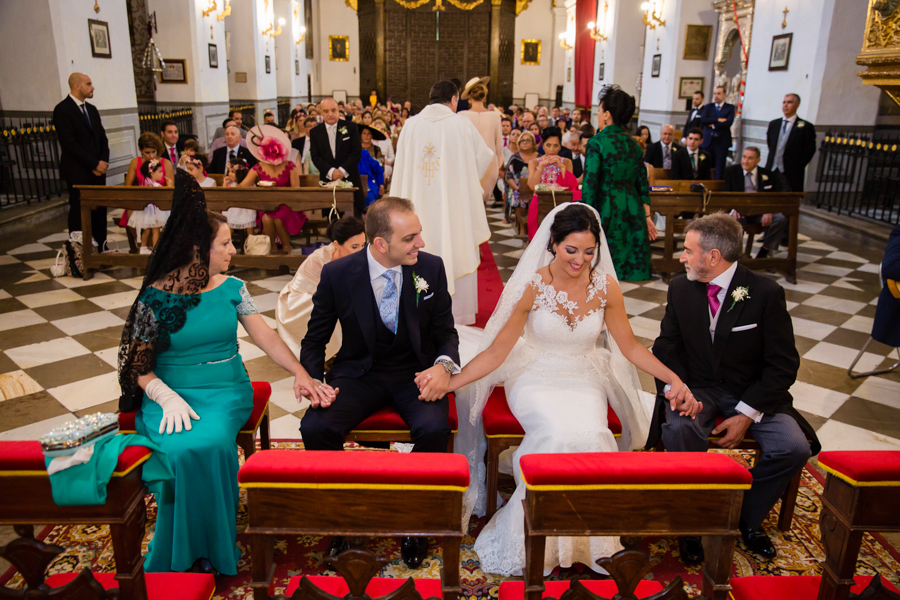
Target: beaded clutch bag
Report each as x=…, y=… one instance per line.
x=80, y=433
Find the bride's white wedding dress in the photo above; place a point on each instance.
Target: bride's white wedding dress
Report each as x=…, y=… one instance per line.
x=560, y=401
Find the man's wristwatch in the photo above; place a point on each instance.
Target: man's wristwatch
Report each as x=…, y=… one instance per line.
x=447, y=364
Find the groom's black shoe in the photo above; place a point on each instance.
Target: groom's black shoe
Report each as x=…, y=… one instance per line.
x=757, y=541
x=338, y=545
x=414, y=550
x=691, y=550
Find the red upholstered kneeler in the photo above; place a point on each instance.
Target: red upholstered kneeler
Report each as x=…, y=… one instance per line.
x=387, y=426
x=379, y=586
x=160, y=586
x=246, y=438
x=789, y=587
x=515, y=590
x=503, y=431
x=354, y=494
x=634, y=494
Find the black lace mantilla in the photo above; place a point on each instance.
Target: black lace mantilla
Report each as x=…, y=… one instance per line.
x=179, y=266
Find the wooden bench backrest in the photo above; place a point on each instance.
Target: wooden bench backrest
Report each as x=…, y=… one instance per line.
x=684, y=185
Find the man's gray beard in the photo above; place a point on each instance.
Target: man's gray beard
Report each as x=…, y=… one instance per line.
x=695, y=274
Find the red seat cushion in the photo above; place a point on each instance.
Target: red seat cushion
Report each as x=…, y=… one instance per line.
x=379, y=586
x=26, y=458
x=387, y=419
x=634, y=470
x=369, y=470
x=788, y=588
x=500, y=422
x=161, y=586
x=262, y=391
x=515, y=590
x=864, y=467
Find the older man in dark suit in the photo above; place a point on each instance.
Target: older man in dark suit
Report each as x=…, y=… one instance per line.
x=728, y=335
x=792, y=144
x=335, y=149
x=750, y=177
x=659, y=154
x=84, y=156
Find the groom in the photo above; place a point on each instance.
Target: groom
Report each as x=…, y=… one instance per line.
x=395, y=314
x=728, y=335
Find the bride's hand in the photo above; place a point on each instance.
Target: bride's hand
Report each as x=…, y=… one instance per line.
x=681, y=399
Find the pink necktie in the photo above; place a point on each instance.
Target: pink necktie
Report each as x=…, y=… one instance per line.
x=172, y=154
x=712, y=293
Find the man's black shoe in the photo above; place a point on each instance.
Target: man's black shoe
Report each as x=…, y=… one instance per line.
x=413, y=550
x=338, y=545
x=691, y=550
x=757, y=541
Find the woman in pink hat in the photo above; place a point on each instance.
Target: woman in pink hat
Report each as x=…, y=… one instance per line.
x=271, y=147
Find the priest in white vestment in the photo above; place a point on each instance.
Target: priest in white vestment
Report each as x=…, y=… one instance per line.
x=440, y=160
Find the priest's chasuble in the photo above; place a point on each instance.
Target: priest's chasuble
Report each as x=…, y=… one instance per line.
x=440, y=160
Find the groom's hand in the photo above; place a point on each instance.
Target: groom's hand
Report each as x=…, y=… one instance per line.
x=433, y=383
x=736, y=427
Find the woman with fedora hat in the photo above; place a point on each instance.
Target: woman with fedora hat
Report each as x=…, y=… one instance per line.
x=488, y=124
x=271, y=147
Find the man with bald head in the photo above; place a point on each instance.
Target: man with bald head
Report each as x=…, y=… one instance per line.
x=659, y=154
x=335, y=149
x=84, y=156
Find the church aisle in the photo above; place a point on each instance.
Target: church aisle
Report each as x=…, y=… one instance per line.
x=59, y=337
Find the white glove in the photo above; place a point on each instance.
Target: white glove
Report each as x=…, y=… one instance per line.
x=176, y=412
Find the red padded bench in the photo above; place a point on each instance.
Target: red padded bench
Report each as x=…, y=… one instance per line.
x=354, y=494
x=633, y=494
x=862, y=493
x=385, y=425
x=503, y=431
x=246, y=438
x=26, y=499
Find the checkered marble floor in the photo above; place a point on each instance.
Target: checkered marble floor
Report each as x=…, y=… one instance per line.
x=58, y=337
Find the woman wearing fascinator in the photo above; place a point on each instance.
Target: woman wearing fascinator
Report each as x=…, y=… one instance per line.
x=179, y=367
x=576, y=357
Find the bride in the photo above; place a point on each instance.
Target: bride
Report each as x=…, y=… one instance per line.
x=558, y=378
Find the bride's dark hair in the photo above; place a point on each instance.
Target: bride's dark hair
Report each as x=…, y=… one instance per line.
x=575, y=218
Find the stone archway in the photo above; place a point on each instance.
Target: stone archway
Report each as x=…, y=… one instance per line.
x=731, y=62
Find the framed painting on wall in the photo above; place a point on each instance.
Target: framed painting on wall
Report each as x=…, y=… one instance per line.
x=531, y=52
x=213, y=56
x=780, y=56
x=654, y=68
x=696, y=42
x=339, y=48
x=268, y=64
x=688, y=85
x=175, y=71
x=100, y=46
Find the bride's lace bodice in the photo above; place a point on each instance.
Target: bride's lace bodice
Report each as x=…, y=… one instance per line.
x=563, y=332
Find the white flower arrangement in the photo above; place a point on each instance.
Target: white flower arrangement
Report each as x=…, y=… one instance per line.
x=739, y=294
x=801, y=124
x=421, y=286
x=764, y=178
x=343, y=130
x=702, y=156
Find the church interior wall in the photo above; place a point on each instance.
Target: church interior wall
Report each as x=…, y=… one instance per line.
x=621, y=53
x=32, y=80
x=247, y=54
x=536, y=23
x=291, y=76
x=334, y=17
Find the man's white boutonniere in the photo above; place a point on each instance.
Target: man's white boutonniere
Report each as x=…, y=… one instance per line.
x=739, y=295
x=801, y=124
x=765, y=177
x=343, y=130
x=421, y=286
x=702, y=157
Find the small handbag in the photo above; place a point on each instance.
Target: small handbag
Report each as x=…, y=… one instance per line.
x=58, y=268
x=72, y=255
x=257, y=245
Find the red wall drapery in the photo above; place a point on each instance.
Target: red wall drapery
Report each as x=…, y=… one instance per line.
x=585, y=12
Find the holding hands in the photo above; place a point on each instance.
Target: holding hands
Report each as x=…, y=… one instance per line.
x=433, y=383
x=319, y=394
x=681, y=399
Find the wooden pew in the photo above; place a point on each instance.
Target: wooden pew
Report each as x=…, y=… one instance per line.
x=217, y=199
x=684, y=185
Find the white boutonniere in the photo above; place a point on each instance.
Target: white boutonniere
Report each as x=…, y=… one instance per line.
x=343, y=130
x=801, y=124
x=702, y=157
x=421, y=286
x=765, y=178
x=739, y=295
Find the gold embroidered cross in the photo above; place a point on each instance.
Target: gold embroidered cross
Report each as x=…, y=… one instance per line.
x=430, y=161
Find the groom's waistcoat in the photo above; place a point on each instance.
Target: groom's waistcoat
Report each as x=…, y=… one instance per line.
x=393, y=352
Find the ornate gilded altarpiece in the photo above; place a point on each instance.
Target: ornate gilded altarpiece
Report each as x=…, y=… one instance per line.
x=881, y=47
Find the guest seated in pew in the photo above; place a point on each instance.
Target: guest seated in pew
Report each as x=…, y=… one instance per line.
x=195, y=168
x=576, y=359
x=348, y=235
x=691, y=162
x=179, y=364
x=728, y=335
x=750, y=177
x=144, y=225
x=270, y=146
x=659, y=154
x=230, y=152
x=551, y=169
x=395, y=336
x=191, y=150
x=219, y=139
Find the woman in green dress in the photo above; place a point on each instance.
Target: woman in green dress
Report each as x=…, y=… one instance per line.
x=179, y=365
x=615, y=183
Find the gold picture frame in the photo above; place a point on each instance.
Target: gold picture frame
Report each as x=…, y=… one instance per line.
x=175, y=71
x=531, y=52
x=696, y=42
x=339, y=48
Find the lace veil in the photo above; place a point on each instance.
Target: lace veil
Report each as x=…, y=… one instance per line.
x=623, y=393
x=180, y=263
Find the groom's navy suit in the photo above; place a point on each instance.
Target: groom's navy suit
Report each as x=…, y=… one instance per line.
x=752, y=359
x=374, y=367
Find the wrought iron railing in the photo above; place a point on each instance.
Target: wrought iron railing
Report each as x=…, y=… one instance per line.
x=29, y=160
x=183, y=117
x=859, y=173
x=284, y=112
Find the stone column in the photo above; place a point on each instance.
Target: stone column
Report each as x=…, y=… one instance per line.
x=291, y=73
x=556, y=53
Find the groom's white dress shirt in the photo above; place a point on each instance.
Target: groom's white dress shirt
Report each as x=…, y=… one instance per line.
x=376, y=270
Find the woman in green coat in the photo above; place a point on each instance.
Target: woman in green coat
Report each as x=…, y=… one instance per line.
x=615, y=183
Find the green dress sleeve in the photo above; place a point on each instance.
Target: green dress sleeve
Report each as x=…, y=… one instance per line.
x=642, y=185
x=590, y=190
